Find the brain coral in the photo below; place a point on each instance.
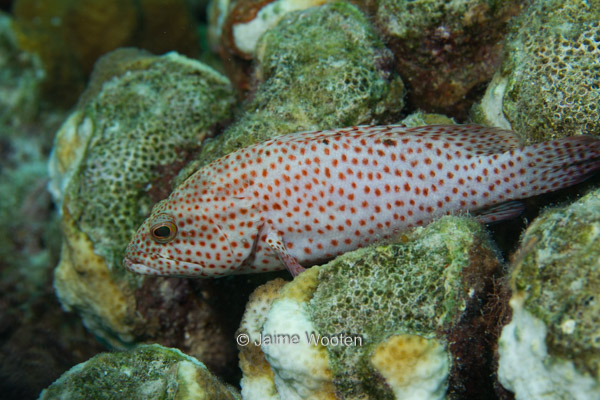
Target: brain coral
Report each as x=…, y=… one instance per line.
x=549, y=83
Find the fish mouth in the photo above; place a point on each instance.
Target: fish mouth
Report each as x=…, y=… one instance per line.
x=133, y=266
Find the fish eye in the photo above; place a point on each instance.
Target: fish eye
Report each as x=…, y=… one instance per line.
x=163, y=232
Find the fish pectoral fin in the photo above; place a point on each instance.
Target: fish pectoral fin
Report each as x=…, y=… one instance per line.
x=275, y=241
x=499, y=212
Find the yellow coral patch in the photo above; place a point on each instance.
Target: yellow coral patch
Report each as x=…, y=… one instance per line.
x=302, y=287
x=82, y=281
x=412, y=365
x=196, y=383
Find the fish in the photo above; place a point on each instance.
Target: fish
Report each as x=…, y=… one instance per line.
x=306, y=197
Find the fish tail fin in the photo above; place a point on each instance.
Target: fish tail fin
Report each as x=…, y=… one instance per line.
x=561, y=163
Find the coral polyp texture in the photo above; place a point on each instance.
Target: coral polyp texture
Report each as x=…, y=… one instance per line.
x=381, y=322
x=551, y=348
x=146, y=372
x=235, y=27
x=549, y=83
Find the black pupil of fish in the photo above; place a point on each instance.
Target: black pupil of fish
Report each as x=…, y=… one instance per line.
x=162, y=232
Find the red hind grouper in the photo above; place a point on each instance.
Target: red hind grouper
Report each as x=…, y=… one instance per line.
x=307, y=197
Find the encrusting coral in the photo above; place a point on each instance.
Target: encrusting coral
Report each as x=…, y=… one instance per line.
x=113, y=147
x=247, y=20
x=235, y=27
x=407, y=319
x=548, y=85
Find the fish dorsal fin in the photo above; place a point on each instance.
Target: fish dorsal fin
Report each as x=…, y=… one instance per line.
x=479, y=140
x=475, y=139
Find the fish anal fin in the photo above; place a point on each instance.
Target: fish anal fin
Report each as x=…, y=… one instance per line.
x=499, y=212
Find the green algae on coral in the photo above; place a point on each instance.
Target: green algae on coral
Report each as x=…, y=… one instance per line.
x=336, y=57
x=320, y=68
x=147, y=372
x=549, y=83
x=247, y=20
x=550, y=349
x=558, y=272
x=420, y=288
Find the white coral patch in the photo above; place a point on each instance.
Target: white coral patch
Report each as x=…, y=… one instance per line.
x=68, y=151
x=492, y=102
x=246, y=35
x=301, y=368
x=258, y=388
x=526, y=368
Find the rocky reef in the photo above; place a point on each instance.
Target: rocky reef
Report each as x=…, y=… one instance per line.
x=433, y=313
x=318, y=69
x=239, y=24
x=21, y=76
x=235, y=26
x=444, y=51
x=140, y=119
x=32, y=354
x=140, y=115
